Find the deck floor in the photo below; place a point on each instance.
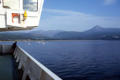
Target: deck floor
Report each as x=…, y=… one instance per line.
x=6, y=68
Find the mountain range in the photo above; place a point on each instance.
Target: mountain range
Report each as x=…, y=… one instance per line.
x=96, y=33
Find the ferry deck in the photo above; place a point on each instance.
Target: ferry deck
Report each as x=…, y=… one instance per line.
x=17, y=64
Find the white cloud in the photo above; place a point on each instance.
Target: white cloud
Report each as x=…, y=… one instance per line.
x=74, y=21
x=109, y=2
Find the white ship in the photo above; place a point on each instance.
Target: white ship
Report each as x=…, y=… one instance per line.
x=20, y=14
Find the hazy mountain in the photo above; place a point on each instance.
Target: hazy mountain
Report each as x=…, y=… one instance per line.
x=28, y=35
x=96, y=33
x=49, y=33
x=21, y=36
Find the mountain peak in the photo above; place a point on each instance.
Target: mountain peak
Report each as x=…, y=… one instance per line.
x=97, y=27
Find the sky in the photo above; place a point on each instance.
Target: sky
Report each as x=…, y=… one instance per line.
x=79, y=15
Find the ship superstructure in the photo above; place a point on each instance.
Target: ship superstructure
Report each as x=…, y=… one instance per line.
x=20, y=14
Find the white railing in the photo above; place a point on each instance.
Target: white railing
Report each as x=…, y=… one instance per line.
x=32, y=68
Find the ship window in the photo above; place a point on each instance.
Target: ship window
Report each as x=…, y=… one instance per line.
x=31, y=5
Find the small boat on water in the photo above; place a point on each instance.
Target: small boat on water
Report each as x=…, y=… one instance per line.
x=20, y=14
x=17, y=64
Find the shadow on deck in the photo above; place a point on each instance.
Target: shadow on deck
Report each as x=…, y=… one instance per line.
x=17, y=64
x=7, y=68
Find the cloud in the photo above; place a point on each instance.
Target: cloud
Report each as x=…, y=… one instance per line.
x=109, y=2
x=53, y=19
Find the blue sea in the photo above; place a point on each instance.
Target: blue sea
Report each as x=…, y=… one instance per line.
x=78, y=59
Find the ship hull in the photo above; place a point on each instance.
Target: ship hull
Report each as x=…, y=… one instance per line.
x=16, y=29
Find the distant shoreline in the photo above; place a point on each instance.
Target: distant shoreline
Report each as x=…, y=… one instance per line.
x=53, y=40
